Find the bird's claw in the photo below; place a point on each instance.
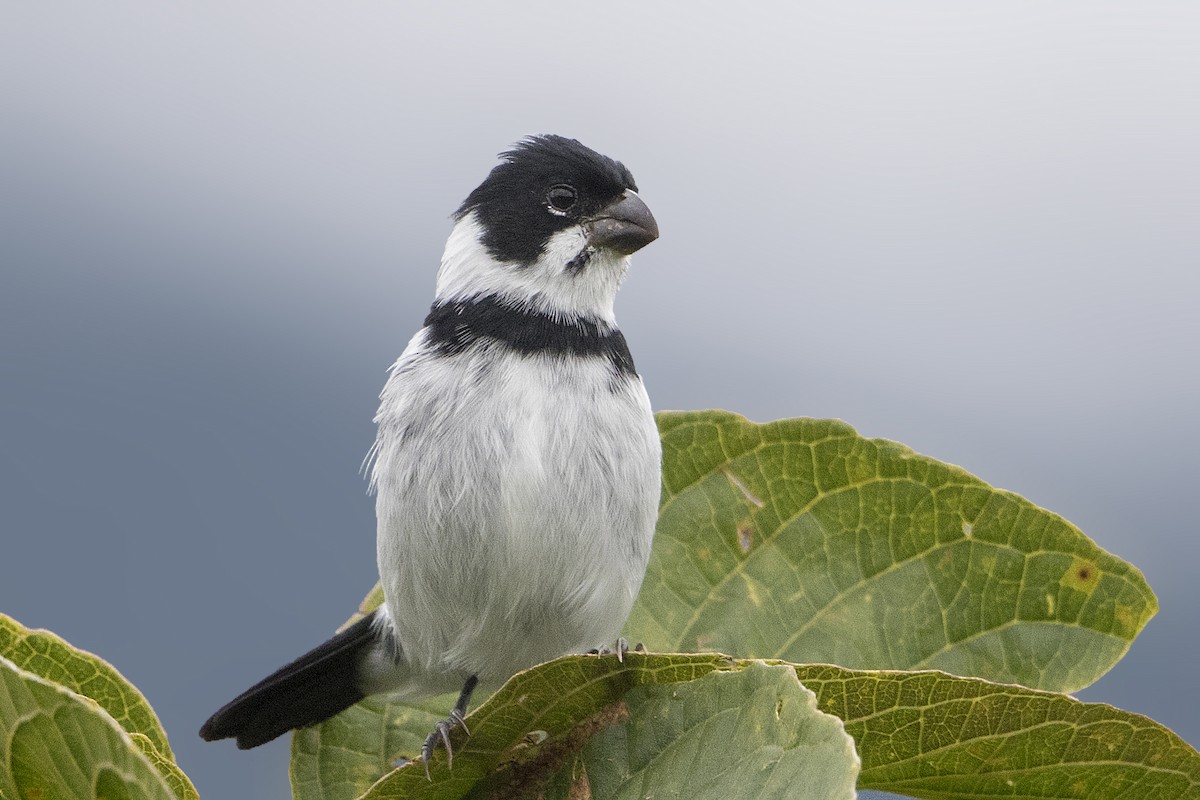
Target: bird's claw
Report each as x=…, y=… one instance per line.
x=441, y=735
x=441, y=731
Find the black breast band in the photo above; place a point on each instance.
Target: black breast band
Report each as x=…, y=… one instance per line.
x=455, y=326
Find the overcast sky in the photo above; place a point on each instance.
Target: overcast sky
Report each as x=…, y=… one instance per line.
x=970, y=227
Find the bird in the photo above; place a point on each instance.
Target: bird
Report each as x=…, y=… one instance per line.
x=516, y=467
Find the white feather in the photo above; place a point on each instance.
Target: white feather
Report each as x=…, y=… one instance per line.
x=546, y=285
x=516, y=494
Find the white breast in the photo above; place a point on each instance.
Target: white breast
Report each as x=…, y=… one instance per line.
x=517, y=497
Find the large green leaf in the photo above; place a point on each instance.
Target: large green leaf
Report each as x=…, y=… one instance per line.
x=938, y=736
x=58, y=745
x=342, y=757
x=753, y=733
x=44, y=654
x=527, y=731
x=804, y=541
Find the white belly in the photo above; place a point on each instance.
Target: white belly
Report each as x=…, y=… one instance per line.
x=517, y=497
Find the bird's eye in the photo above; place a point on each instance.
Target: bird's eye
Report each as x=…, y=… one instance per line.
x=561, y=197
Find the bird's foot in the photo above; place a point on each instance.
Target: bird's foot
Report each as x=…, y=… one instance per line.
x=441, y=731
x=621, y=649
x=441, y=735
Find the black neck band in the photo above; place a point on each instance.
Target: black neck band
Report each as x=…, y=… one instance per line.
x=455, y=326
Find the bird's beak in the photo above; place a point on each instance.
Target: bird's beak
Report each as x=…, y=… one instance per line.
x=625, y=226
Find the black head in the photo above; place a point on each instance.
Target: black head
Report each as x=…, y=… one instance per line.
x=544, y=185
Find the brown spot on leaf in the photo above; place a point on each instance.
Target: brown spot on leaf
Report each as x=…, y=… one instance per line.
x=525, y=771
x=1082, y=575
x=744, y=536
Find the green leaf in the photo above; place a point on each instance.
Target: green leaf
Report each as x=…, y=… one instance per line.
x=933, y=735
x=340, y=758
x=545, y=713
x=804, y=541
x=50, y=657
x=56, y=744
x=754, y=733
x=372, y=601
x=179, y=782
x=46, y=655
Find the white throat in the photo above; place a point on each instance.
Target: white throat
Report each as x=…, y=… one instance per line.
x=548, y=285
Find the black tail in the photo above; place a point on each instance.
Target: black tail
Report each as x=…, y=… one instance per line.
x=309, y=690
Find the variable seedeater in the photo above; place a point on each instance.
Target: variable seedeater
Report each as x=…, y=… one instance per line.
x=517, y=463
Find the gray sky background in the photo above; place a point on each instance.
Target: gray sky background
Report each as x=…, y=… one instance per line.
x=970, y=227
